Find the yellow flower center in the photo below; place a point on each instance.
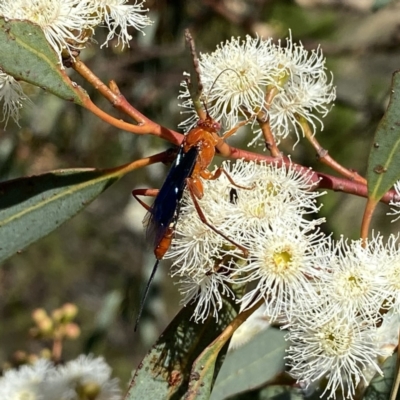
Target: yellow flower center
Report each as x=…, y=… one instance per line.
x=282, y=261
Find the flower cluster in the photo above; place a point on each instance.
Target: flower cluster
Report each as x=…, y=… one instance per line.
x=336, y=332
x=85, y=377
x=254, y=78
x=68, y=26
x=267, y=202
x=331, y=296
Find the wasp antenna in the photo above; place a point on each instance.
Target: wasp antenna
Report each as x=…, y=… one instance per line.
x=146, y=292
x=215, y=80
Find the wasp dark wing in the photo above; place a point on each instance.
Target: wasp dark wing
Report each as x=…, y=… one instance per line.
x=165, y=206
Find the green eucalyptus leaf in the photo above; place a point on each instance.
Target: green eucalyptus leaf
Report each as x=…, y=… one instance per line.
x=166, y=370
x=384, y=158
x=276, y=391
x=381, y=386
x=251, y=365
x=27, y=56
x=205, y=369
x=31, y=207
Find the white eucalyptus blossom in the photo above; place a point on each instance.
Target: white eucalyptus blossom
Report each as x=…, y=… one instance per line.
x=263, y=193
x=196, y=245
x=297, y=60
x=354, y=280
x=200, y=255
x=277, y=192
x=266, y=206
x=302, y=90
x=299, y=98
x=284, y=261
x=12, y=96
x=207, y=290
x=31, y=382
x=88, y=374
x=335, y=346
x=66, y=24
x=118, y=16
x=396, y=204
x=85, y=377
x=238, y=76
x=235, y=78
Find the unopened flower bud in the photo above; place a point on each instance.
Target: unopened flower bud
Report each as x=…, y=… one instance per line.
x=39, y=314
x=45, y=326
x=72, y=331
x=70, y=311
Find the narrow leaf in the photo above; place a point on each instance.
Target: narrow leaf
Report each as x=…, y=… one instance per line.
x=384, y=158
x=380, y=387
x=27, y=56
x=279, y=393
x=204, y=370
x=165, y=371
x=32, y=207
x=251, y=365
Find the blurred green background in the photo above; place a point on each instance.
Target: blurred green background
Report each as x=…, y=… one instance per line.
x=99, y=260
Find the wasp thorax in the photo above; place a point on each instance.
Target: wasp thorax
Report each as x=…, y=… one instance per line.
x=209, y=124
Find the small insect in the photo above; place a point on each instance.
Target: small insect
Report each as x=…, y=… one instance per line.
x=193, y=159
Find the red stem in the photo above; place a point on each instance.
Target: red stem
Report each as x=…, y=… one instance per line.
x=113, y=95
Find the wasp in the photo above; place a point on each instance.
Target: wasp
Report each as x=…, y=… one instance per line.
x=191, y=164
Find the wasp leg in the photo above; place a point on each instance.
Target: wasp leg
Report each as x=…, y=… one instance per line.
x=205, y=222
x=144, y=192
x=212, y=176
